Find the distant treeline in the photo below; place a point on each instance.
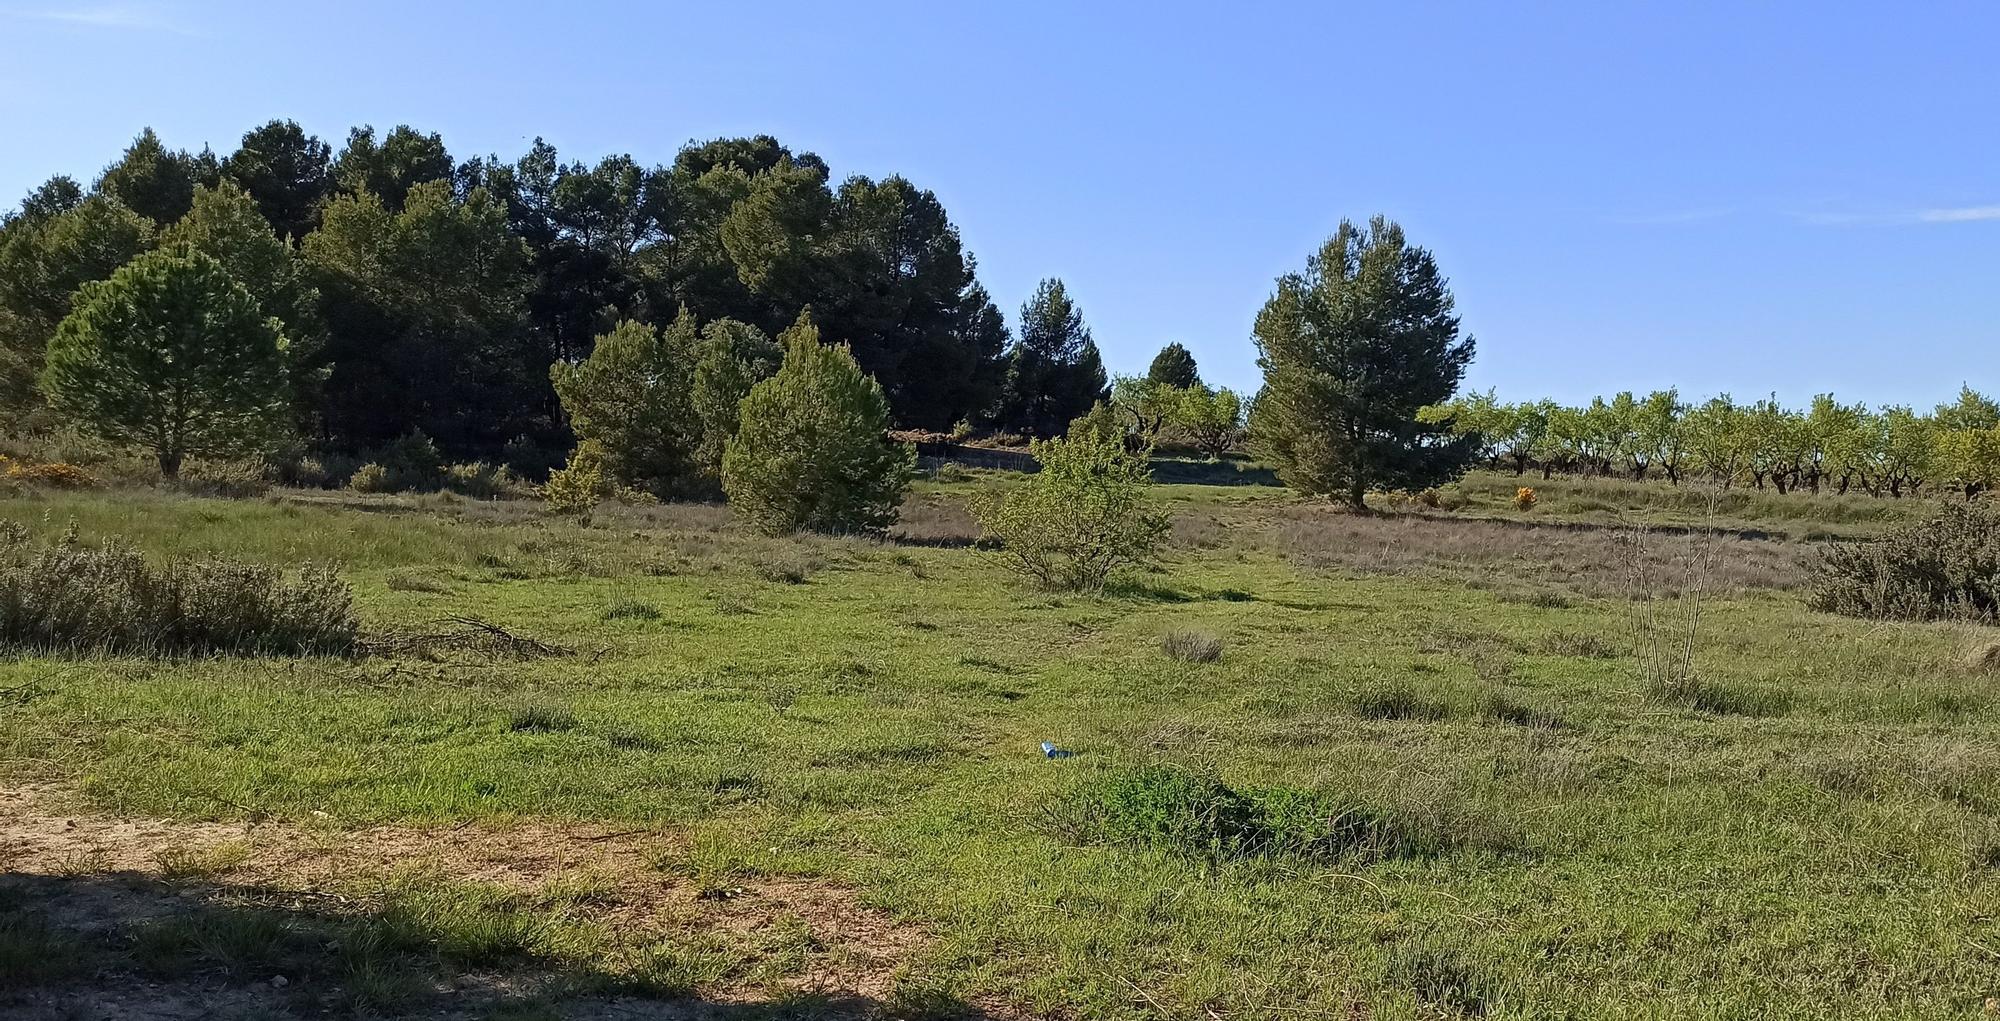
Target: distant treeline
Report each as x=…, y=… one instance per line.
x=420, y=293
x=1894, y=450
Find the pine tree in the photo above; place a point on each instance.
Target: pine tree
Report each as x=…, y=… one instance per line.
x=1054, y=372
x=173, y=355
x=1352, y=349
x=812, y=450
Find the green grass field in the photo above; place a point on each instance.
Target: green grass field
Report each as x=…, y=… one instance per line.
x=1534, y=833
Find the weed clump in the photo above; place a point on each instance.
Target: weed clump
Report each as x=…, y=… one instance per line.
x=73, y=598
x=1191, y=646
x=787, y=570
x=631, y=609
x=1194, y=814
x=1398, y=701
x=1946, y=567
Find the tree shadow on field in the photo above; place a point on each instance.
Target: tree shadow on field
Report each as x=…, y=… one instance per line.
x=120, y=945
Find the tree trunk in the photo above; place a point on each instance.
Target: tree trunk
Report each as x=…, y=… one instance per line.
x=1357, y=493
x=170, y=464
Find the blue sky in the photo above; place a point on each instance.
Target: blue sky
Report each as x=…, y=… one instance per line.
x=1745, y=197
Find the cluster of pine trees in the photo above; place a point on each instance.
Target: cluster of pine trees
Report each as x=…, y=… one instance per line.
x=1894, y=450
x=413, y=292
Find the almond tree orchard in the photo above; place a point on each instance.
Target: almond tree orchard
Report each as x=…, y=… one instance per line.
x=1829, y=445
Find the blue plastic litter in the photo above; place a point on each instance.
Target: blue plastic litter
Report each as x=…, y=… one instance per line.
x=1051, y=751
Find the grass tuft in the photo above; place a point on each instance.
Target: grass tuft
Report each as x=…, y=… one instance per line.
x=1191, y=646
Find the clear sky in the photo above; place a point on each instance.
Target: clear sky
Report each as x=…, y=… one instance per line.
x=1737, y=196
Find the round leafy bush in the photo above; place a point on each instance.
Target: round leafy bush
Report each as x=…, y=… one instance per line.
x=812, y=450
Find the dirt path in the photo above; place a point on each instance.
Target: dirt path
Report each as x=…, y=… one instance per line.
x=96, y=878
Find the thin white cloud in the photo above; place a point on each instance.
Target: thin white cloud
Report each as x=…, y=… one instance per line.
x=1951, y=214
x=1961, y=214
x=122, y=17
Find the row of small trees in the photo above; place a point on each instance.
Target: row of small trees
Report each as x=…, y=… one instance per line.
x=1894, y=450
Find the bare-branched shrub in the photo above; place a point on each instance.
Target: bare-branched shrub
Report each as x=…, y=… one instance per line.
x=73, y=598
x=1666, y=612
x=1946, y=567
x=1083, y=516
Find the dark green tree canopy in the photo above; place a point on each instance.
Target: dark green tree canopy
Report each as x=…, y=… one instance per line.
x=1352, y=349
x=1054, y=372
x=287, y=172
x=173, y=355
x=1174, y=367
x=446, y=293
x=424, y=314
x=154, y=182
x=388, y=170
x=45, y=256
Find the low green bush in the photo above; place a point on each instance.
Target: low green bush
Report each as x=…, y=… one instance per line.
x=1195, y=814
x=370, y=478
x=1079, y=519
x=230, y=478
x=1946, y=567
x=73, y=598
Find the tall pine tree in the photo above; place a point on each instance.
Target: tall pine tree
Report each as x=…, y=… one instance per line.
x=1351, y=350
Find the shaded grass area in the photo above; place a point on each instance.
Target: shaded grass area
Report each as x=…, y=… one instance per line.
x=1395, y=792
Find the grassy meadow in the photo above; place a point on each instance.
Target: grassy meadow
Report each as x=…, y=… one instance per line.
x=1430, y=774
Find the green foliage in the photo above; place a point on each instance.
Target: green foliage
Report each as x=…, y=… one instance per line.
x=73, y=599
x=731, y=358
x=1893, y=450
x=224, y=224
x=811, y=451
x=1946, y=567
x=45, y=255
x=392, y=168
x=1054, y=372
x=154, y=182
x=285, y=171
x=813, y=447
x=578, y=487
x=1352, y=350
x=1084, y=515
x=372, y=478
x=1193, y=813
x=631, y=399
x=1211, y=419
x=1173, y=368
x=423, y=309
x=1102, y=423
x=172, y=355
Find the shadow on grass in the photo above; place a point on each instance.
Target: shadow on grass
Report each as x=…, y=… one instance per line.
x=93, y=945
x=1226, y=472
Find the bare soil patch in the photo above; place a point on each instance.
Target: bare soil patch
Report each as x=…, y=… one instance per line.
x=92, y=878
